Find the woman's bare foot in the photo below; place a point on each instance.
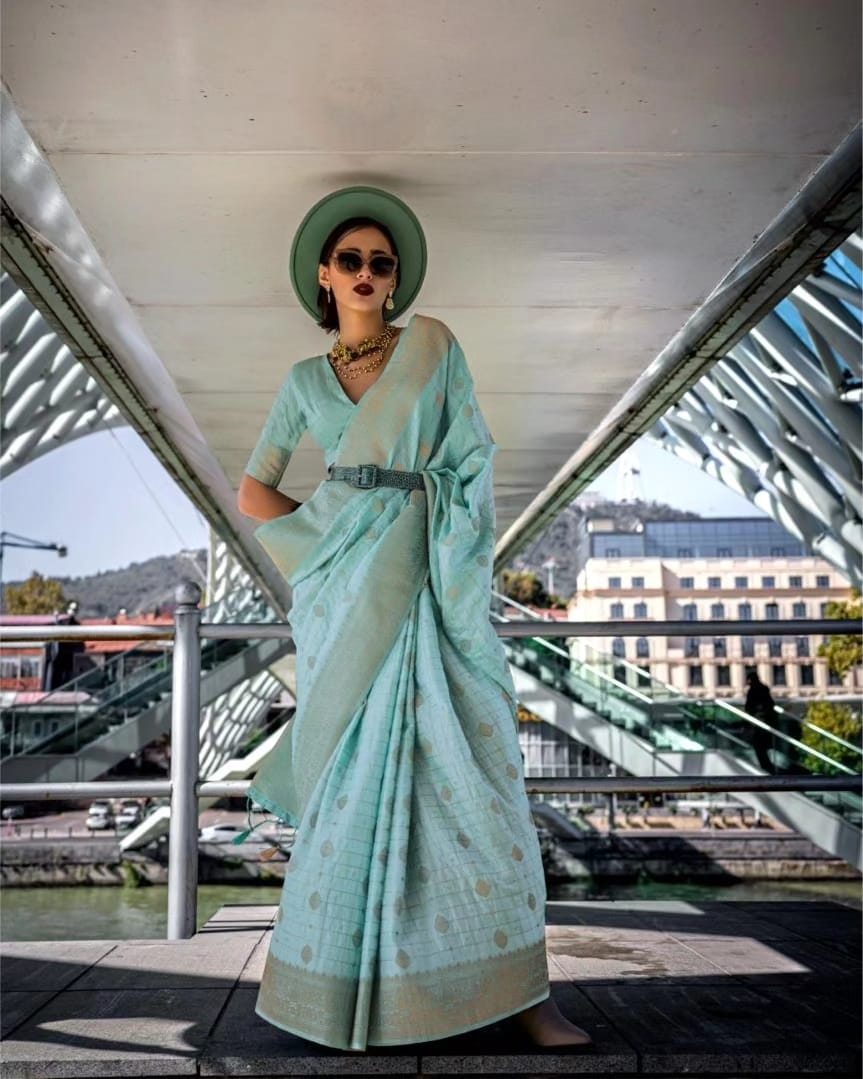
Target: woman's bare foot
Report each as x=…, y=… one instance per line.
x=545, y=1024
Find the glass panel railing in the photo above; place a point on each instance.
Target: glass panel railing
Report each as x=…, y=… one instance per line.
x=92, y=704
x=667, y=720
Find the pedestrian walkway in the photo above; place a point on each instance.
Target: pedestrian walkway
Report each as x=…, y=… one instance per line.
x=668, y=988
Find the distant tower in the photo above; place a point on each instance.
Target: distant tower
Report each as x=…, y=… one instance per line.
x=549, y=565
x=629, y=487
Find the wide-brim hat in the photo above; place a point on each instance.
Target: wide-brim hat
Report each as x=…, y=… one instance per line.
x=338, y=206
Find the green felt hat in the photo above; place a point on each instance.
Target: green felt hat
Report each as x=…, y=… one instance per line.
x=338, y=206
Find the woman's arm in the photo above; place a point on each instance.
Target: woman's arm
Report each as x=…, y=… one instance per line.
x=257, y=495
x=262, y=502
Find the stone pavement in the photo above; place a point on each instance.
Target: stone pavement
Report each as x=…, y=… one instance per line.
x=666, y=988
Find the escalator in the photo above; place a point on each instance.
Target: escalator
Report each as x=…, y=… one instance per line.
x=110, y=712
x=649, y=728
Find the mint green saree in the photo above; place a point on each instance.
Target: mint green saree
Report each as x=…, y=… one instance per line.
x=413, y=906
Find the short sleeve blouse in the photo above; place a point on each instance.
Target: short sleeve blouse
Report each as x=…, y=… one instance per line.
x=280, y=435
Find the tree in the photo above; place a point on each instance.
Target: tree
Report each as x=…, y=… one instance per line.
x=842, y=652
x=525, y=587
x=37, y=595
x=845, y=650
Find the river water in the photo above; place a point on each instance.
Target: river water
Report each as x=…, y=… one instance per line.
x=120, y=913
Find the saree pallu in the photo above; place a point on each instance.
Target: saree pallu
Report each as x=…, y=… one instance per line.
x=413, y=906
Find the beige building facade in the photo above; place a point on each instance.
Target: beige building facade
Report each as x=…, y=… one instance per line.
x=762, y=588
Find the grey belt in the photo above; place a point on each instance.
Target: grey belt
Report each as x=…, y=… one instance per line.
x=374, y=476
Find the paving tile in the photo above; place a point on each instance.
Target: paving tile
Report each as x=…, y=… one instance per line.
x=775, y=960
x=243, y=1043
x=240, y=916
x=722, y=1028
x=744, y=955
x=39, y=964
x=253, y=971
x=18, y=1006
x=603, y=960
x=502, y=1048
x=173, y=964
x=114, y=1033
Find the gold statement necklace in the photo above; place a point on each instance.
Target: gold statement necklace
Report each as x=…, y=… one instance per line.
x=343, y=358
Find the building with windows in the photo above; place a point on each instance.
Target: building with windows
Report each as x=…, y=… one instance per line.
x=722, y=569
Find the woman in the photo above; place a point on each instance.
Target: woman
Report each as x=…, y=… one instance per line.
x=414, y=901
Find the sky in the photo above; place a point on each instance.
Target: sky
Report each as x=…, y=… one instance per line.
x=110, y=502
x=106, y=498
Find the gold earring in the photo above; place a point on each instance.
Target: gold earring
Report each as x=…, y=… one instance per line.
x=388, y=303
x=328, y=293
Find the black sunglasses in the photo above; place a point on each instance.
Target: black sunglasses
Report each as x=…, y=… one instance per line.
x=353, y=262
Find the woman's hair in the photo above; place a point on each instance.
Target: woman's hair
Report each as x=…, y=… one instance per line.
x=329, y=312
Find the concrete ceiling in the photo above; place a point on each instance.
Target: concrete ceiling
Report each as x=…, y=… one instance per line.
x=586, y=172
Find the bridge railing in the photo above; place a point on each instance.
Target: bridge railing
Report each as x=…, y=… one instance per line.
x=185, y=786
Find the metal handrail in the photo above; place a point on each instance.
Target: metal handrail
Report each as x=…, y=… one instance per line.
x=185, y=786
x=260, y=630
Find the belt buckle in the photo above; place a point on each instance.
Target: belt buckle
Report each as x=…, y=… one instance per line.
x=367, y=476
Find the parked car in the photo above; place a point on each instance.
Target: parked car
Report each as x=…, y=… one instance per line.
x=129, y=817
x=219, y=833
x=13, y=812
x=101, y=805
x=98, y=822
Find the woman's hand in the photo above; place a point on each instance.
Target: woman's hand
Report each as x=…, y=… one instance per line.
x=263, y=503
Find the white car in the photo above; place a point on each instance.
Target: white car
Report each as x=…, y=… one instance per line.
x=129, y=817
x=219, y=833
x=96, y=822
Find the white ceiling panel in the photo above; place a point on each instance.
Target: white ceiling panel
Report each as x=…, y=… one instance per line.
x=586, y=172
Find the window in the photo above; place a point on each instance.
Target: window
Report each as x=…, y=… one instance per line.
x=779, y=674
x=642, y=648
x=614, y=582
x=822, y=581
x=723, y=552
x=640, y=610
x=714, y=582
x=807, y=674
x=723, y=675
x=612, y=552
x=771, y=610
x=795, y=582
x=833, y=679
x=684, y=552
x=690, y=612
x=823, y=610
x=616, y=610
x=799, y=609
x=638, y=582
x=741, y=582
x=31, y=666
x=717, y=610
x=687, y=582
x=37, y=727
x=774, y=646
x=768, y=582
x=747, y=646
x=691, y=647
x=720, y=647
x=618, y=648
x=802, y=647
x=696, y=675
x=744, y=612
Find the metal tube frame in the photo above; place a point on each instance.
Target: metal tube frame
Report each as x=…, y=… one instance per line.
x=185, y=787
